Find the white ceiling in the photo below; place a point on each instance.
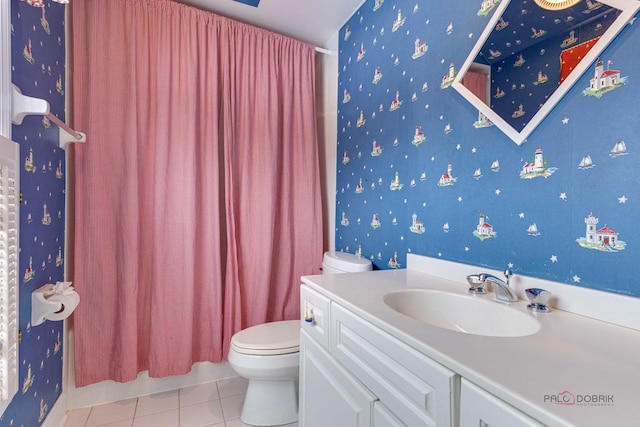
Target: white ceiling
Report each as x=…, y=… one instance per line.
x=311, y=21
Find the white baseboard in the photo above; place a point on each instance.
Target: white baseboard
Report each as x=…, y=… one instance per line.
x=609, y=307
x=111, y=391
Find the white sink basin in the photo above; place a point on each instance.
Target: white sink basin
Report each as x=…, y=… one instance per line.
x=476, y=315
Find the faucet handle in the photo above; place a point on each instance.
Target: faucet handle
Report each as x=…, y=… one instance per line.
x=538, y=299
x=507, y=273
x=476, y=281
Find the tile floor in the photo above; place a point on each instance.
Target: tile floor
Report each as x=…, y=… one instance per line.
x=214, y=404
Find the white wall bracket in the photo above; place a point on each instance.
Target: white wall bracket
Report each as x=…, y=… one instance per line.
x=25, y=105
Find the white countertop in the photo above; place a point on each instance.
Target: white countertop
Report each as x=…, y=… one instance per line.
x=571, y=353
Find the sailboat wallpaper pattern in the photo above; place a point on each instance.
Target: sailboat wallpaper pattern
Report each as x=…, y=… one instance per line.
x=414, y=174
x=38, y=69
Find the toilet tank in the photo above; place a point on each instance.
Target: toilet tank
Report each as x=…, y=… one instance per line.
x=342, y=262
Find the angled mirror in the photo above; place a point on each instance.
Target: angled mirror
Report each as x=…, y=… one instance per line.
x=528, y=57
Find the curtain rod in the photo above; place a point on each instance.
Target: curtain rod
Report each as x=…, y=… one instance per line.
x=323, y=51
x=79, y=136
x=26, y=105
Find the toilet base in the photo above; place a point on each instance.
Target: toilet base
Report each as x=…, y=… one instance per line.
x=270, y=402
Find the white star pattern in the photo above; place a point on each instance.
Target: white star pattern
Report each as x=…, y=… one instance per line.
x=622, y=199
x=554, y=258
x=563, y=196
x=498, y=192
x=565, y=121
x=521, y=214
x=576, y=279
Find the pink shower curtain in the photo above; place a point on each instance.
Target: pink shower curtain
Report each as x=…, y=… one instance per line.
x=151, y=90
x=272, y=176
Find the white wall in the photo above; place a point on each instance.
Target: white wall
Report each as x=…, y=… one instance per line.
x=327, y=104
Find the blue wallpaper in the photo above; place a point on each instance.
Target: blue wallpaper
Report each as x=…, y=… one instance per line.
x=38, y=69
x=415, y=175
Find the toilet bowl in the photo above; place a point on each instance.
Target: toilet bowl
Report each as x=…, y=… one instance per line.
x=268, y=355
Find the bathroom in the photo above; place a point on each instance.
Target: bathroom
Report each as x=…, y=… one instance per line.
x=559, y=204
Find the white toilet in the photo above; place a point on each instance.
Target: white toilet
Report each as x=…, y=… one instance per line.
x=268, y=355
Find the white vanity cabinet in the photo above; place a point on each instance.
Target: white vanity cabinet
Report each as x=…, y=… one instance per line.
x=392, y=365
x=479, y=408
x=414, y=388
x=329, y=395
x=363, y=376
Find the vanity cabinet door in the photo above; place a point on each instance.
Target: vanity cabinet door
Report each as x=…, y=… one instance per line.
x=415, y=389
x=329, y=395
x=479, y=408
x=383, y=418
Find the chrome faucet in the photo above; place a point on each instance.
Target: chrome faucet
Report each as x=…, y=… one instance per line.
x=503, y=291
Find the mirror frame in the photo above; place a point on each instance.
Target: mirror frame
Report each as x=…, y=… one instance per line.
x=628, y=9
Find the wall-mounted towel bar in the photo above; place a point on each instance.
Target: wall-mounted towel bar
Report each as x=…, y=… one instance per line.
x=25, y=105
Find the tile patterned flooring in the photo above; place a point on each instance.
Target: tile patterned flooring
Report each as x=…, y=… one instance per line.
x=214, y=404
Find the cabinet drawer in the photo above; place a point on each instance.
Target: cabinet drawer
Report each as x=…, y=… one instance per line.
x=314, y=312
x=480, y=408
x=417, y=390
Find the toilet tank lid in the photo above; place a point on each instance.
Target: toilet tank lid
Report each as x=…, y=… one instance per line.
x=279, y=335
x=345, y=261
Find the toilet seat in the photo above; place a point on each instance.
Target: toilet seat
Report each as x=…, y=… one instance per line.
x=267, y=339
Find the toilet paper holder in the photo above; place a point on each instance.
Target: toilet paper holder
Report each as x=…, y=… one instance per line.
x=53, y=302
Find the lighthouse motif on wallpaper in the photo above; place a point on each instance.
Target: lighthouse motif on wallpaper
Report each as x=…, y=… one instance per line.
x=486, y=6
x=447, y=179
x=344, y=221
x=536, y=168
x=448, y=78
x=418, y=136
x=29, y=166
x=419, y=48
x=398, y=22
x=484, y=230
x=375, y=221
x=416, y=224
x=29, y=272
x=28, y=380
x=395, y=183
x=396, y=103
x=27, y=53
x=603, y=80
x=46, y=215
x=393, y=261
x=604, y=239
